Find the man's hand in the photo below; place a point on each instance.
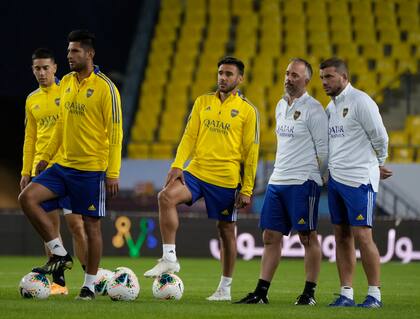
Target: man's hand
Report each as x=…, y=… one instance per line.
x=173, y=175
x=40, y=167
x=24, y=181
x=384, y=172
x=242, y=201
x=112, y=186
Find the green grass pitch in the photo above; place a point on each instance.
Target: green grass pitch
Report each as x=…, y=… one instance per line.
x=400, y=292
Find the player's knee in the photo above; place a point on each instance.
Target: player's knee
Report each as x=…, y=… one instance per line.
x=363, y=237
x=226, y=229
x=92, y=226
x=272, y=238
x=304, y=238
x=165, y=198
x=343, y=236
x=308, y=238
x=77, y=230
x=25, y=198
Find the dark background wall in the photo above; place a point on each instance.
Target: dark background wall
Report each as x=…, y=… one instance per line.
x=25, y=26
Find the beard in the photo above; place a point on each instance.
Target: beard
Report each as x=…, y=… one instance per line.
x=291, y=89
x=334, y=92
x=77, y=67
x=226, y=88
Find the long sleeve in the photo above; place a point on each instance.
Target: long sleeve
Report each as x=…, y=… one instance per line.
x=251, y=141
x=113, y=123
x=318, y=127
x=189, y=138
x=29, y=142
x=371, y=121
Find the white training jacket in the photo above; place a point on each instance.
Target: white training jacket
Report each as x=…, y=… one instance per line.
x=302, y=142
x=358, y=142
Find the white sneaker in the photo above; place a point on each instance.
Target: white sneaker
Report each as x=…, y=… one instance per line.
x=163, y=266
x=220, y=295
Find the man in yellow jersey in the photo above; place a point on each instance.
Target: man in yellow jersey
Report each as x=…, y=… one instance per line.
x=42, y=111
x=222, y=138
x=89, y=132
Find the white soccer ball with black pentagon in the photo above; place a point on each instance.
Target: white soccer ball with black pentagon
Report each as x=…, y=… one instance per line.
x=123, y=286
x=35, y=285
x=168, y=286
x=103, y=276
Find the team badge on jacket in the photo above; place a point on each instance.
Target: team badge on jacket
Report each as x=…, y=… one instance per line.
x=345, y=111
x=234, y=112
x=57, y=101
x=89, y=92
x=296, y=115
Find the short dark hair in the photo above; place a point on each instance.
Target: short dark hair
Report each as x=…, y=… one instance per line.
x=232, y=60
x=43, y=53
x=308, y=66
x=85, y=37
x=339, y=64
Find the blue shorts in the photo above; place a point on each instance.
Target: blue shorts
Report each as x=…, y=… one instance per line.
x=85, y=189
x=350, y=205
x=58, y=203
x=220, y=201
x=288, y=207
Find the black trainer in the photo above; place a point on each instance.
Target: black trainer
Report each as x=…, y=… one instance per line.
x=86, y=294
x=253, y=298
x=305, y=300
x=55, y=263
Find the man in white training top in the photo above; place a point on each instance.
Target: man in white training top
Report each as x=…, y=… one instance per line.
x=358, y=145
x=292, y=197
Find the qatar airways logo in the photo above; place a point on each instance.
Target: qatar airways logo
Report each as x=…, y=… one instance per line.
x=75, y=108
x=336, y=131
x=48, y=121
x=285, y=130
x=217, y=126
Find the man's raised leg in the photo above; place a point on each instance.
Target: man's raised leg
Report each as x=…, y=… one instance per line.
x=30, y=199
x=172, y=195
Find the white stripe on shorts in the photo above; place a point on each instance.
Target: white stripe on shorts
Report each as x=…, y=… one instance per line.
x=102, y=195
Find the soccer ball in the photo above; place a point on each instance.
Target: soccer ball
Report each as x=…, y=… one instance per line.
x=34, y=285
x=168, y=286
x=122, y=269
x=123, y=286
x=101, y=282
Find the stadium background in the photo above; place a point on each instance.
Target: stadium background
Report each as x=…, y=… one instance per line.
x=163, y=54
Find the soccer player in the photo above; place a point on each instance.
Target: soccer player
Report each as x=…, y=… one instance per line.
x=42, y=111
x=222, y=137
x=292, y=197
x=89, y=131
x=358, y=144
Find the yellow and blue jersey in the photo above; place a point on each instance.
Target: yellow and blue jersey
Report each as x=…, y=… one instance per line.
x=89, y=129
x=222, y=140
x=42, y=110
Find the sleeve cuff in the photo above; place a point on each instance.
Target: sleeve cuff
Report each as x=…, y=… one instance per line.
x=176, y=165
x=246, y=192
